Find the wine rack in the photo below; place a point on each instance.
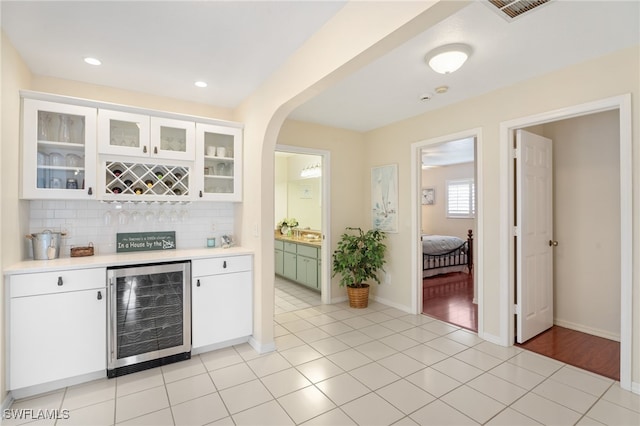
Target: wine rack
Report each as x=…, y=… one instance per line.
x=146, y=181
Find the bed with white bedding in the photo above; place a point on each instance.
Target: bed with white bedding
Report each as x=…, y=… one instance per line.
x=442, y=254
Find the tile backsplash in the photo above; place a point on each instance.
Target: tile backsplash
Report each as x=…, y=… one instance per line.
x=98, y=222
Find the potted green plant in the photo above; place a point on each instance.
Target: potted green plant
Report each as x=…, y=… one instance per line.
x=357, y=258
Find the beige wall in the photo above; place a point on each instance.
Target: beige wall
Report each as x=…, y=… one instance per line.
x=281, y=192
x=348, y=183
x=604, y=77
x=125, y=97
x=434, y=217
x=304, y=195
x=586, y=221
x=290, y=202
x=13, y=212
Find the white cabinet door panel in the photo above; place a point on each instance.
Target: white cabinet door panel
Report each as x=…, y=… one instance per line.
x=221, y=308
x=56, y=336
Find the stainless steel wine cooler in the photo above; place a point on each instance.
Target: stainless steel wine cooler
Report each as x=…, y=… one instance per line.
x=149, y=316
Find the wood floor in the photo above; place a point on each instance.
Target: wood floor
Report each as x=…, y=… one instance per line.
x=591, y=353
x=449, y=298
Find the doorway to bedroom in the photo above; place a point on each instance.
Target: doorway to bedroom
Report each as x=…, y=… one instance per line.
x=447, y=225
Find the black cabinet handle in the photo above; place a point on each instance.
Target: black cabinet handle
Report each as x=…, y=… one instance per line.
x=99, y=295
x=155, y=149
x=198, y=283
x=200, y=194
x=90, y=191
x=144, y=149
x=224, y=264
x=60, y=281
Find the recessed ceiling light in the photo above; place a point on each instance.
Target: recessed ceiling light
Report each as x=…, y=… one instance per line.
x=447, y=59
x=92, y=61
x=441, y=89
x=201, y=84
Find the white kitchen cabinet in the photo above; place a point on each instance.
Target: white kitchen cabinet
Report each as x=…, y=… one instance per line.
x=58, y=151
x=57, y=326
x=219, y=162
x=127, y=134
x=123, y=133
x=221, y=300
x=172, y=139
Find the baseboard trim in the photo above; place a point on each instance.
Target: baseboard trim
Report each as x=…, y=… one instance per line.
x=391, y=304
x=58, y=384
x=262, y=348
x=340, y=299
x=6, y=403
x=635, y=387
x=215, y=346
x=589, y=330
x=490, y=338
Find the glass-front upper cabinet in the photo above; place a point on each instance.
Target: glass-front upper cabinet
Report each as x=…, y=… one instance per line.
x=172, y=139
x=58, y=151
x=219, y=162
x=123, y=133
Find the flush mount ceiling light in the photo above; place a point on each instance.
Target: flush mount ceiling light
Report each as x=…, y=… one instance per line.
x=92, y=61
x=447, y=59
x=201, y=84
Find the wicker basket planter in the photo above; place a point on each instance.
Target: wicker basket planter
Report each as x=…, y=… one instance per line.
x=358, y=296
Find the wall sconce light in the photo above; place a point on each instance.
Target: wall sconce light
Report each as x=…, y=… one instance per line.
x=449, y=58
x=311, y=171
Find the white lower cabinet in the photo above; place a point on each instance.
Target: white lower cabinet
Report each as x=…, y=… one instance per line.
x=57, y=326
x=221, y=300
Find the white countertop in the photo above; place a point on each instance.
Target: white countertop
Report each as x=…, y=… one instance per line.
x=121, y=259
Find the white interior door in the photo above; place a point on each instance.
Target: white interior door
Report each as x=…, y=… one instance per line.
x=534, y=242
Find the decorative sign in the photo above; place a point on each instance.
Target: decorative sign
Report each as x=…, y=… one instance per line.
x=145, y=241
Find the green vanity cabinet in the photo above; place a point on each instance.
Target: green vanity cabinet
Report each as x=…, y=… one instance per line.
x=290, y=259
x=298, y=262
x=279, y=257
x=307, y=264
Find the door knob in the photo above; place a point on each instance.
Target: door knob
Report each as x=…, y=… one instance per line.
x=553, y=243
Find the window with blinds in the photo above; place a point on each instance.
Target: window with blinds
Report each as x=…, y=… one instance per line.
x=461, y=198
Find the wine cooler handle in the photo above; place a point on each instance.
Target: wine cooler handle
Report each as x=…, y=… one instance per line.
x=60, y=281
x=99, y=295
x=198, y=283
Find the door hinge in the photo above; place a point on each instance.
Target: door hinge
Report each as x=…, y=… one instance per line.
x=516, y=231
x=516, y=309
x=516, y=152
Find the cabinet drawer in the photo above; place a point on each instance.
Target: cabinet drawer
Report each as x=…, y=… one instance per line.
x=279, y=245
x=57, y=282
x=307, y=251
x=290, y=247
x=220, y=265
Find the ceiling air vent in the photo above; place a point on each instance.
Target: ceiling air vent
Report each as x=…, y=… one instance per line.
x=511, y=9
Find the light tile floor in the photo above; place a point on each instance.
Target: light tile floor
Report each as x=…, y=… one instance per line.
x=290, y=296
x=340, y=366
